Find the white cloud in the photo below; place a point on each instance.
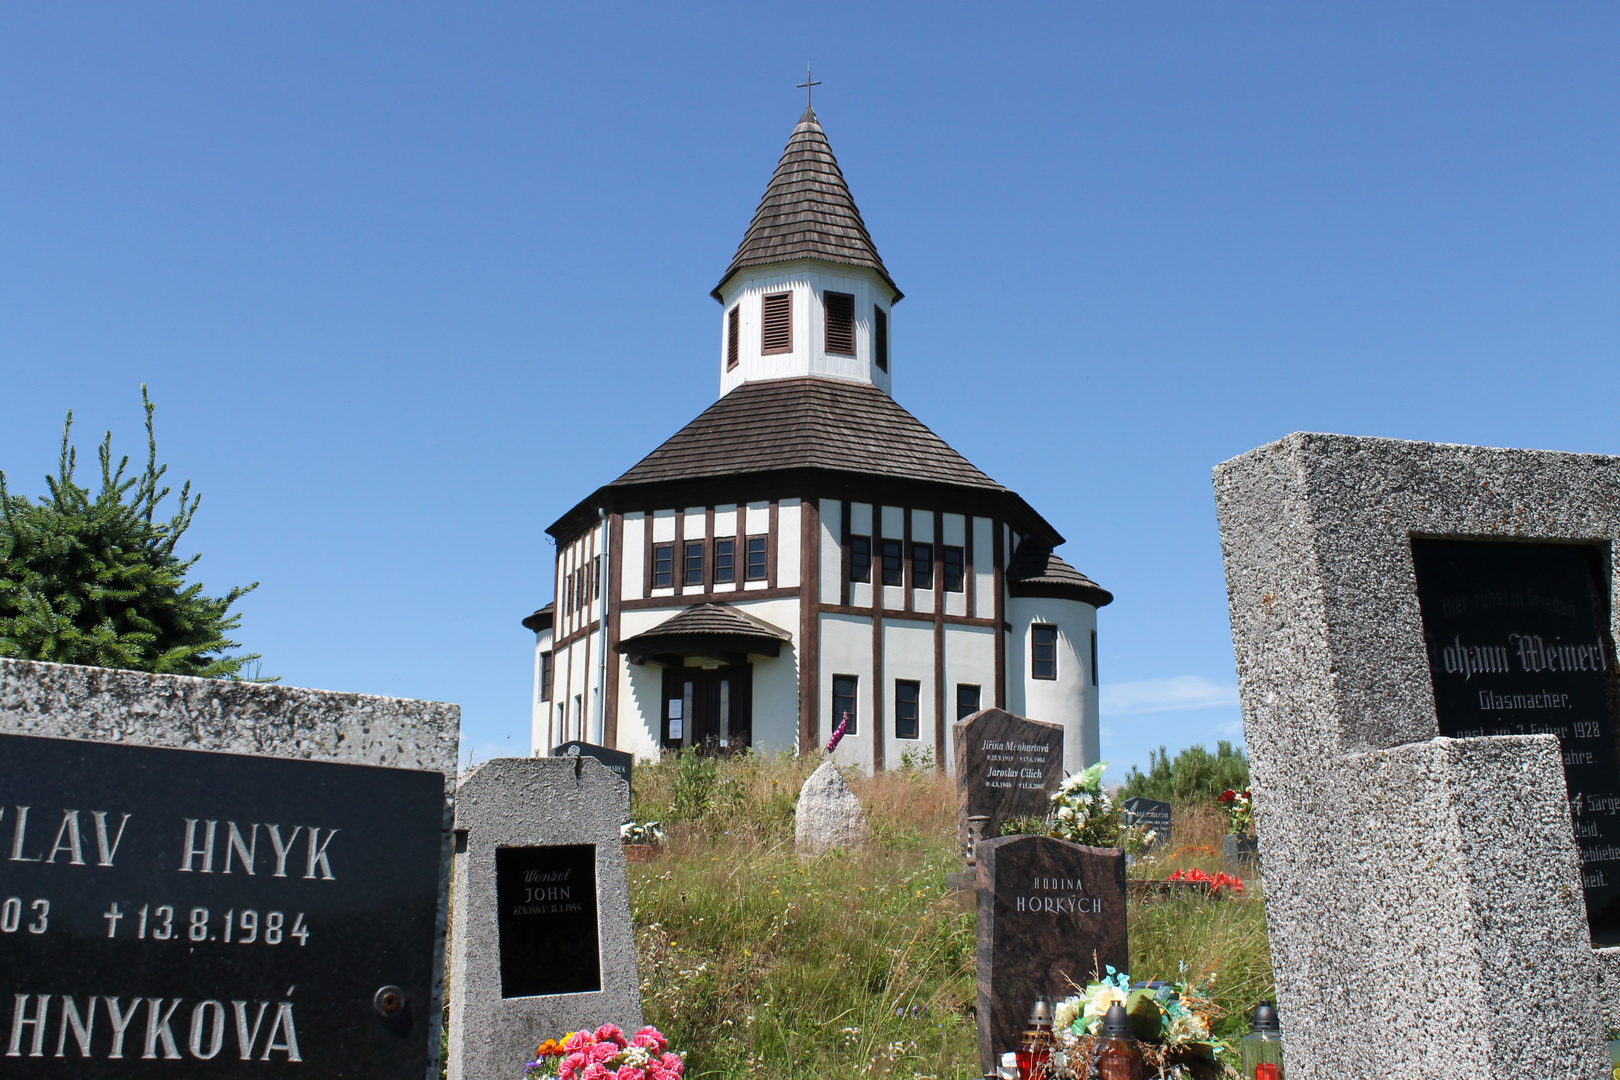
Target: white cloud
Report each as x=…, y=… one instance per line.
x=1165, y=695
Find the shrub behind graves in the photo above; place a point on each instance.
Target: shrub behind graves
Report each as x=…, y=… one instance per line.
x=1193, y=775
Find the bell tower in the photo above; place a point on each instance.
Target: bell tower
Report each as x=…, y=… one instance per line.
x=806, y=293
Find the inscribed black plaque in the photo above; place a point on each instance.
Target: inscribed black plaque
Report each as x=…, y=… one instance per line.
x=1518, y=643
x=617, y=760
x=549, y=941
x=183, y=912
x=1152, y=813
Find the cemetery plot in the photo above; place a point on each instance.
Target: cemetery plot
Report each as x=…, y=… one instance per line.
x=1518, y=644
x=203, y=910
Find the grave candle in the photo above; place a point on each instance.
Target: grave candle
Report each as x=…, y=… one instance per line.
x=1261, y=1049
x=1118, y=1055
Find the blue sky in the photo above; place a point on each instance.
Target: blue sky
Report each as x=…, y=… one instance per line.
x=407, y=281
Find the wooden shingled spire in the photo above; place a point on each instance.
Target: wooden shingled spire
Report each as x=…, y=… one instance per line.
x=807, y=213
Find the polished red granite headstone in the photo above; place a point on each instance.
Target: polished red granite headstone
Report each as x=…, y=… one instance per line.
x=1050, y=914
x=1006, y=767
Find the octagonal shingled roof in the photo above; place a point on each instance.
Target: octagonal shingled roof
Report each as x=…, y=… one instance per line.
x=807, y=212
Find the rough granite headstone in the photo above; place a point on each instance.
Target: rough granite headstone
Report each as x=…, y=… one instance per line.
x=828, y=814
x=542, y=942
x=1427, y=880
x=1051, y=913
x=219, y=846
x=1006, y=767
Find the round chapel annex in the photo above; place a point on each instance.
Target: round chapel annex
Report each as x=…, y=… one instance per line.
x=806, y=549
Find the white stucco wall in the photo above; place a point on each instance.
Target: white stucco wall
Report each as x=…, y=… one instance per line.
x=1064, y=700
x=908, y=653
x=846, y=649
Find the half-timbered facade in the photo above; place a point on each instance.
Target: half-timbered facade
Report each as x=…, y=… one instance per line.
x=806, y=550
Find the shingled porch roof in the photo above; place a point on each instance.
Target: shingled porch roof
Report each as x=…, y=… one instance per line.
x=717, y=631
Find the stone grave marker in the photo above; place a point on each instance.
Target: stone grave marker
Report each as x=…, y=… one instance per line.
x=1424, y=636
x=1050, y=912
x=542, y=942
x=617, y=760
x=1150, y=812
x=828, y=814
x=1006, y=766
x=203, y=873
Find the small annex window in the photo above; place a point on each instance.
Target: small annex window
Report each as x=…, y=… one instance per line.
x=860, y=558
x=596, y=577
x=893, y=565
x=1043, y=651
x=955, y=568
x=840, y=311
x=663, y=574
x=880, y=337
x=725, y=560
x=843, y=704
x=907, y=694
x=922, y=566
x=776, y=323
x=1094, y=658
x=545, y=676
x=756, y=558
x=967, y=700
x=733, y=337
x=693, y=565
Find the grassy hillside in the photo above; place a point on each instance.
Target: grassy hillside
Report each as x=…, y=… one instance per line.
x=859, y=963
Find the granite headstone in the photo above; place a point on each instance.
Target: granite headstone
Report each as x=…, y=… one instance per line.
x=1050, y=914
x=542, y=942
x=1375, y=589
x=620, y=762
x=205, y=872
x=1006, y=767
x=828, y=814
x=1155, y=815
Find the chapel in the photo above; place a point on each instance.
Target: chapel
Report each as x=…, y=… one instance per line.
x=806, y=552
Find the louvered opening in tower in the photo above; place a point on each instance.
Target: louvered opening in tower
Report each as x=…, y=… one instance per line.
x=840, y=323
x=733, y=337
x=776, y=323
x=880, y=337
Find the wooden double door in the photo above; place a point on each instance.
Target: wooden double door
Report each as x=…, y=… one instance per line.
x=711, y=709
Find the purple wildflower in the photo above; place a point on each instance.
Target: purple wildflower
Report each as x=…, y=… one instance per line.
x=838, y=733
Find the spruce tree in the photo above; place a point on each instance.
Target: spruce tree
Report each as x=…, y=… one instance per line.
x=96, y=581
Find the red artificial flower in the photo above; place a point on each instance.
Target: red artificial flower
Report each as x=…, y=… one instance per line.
x=652, y=1040
x=1227, y=796
x=579, y=1040
x=612, y=1033
x=672, y=1064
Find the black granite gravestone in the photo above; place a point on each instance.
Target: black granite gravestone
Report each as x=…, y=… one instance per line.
x=547, y=920
x=1006, y=766
x=1150, y=812
x=1051, y=914
x=1518, y=643
x=617, y=760
x=200, y=910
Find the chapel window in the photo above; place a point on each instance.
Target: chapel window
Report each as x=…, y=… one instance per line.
x=663, y=566
x=1043, y=651
x=840, y=312
x=860, y=558
x=694, y=562
x=893, y=565
x=955, y=568
x=922, y=566
x=756, y=558
x=880, y=337
x=545, y=676
x=725, y=555
x=907, y=693
x=967, y=700
x=733, y=337
x=776, y=323
x=843, y=703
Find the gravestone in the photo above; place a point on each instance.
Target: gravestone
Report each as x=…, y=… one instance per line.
x=828, y=814
x=1006, y=767
x=1149, y=812
x=1050, y=914
x=617, y=760
x=1385, y=597
x=206, y=872
x=542, y=943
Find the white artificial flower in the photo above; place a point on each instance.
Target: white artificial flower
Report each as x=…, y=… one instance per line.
x=1066, y=814
x=1064, y=1015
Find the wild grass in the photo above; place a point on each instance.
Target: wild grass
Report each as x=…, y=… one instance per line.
x=857, y=963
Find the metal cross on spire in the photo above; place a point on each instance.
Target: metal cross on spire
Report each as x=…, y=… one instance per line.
x=807, y=84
